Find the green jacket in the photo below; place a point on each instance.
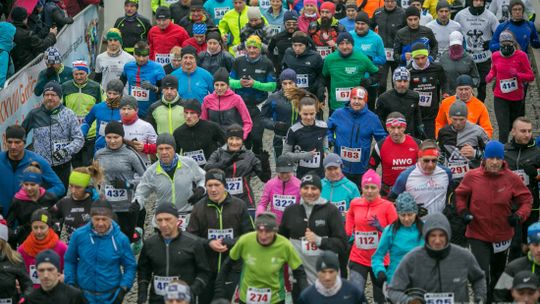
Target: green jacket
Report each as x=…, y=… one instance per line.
x=232, y=23
x=345, y=74
x=81, y=98
x=165, y=117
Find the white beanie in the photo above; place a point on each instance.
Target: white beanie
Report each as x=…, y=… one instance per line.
x=3, y=229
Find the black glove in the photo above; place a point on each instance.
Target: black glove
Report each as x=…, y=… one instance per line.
x=60, y=155
x=196, y=288
x=467, y=216
x=281, y=128
x=381, y=278
x=485, y=45
x=118, y=183
x=266, y=173
x=366, y=82
x=233, y=158
x=198, y=193
x=50, y=72
x=145, y=84
x=134, y=207
x=120, y=297
x=514, y=220
x=422, y=211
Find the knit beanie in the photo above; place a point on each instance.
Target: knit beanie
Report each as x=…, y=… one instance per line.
x=266, y=221
x=405, y=203
x=54, y=87
x=310, y=2
x=300, y=39
x=287, y=74
x=81, y=65
x=3, y=229
x=189, y=50
x=166, y=139
x=442, y=4
x=193, y=105
x=18, y=14
x=234, y=130
x=48, y=256
x=15, y=132
x=255, y=41
x=330, y=6
x=401, y=73
x=52, y=56
x=221, y=75
x=412, y=11
x=419, y=49
x=327, y=259
x=371, y=177
x=362, y=17
x=196, y=4
x=533, y=233
x=41, y=215
x=290, y=16
x=494, y=149
x=213, y=35
x=169, y=81
x=215, y=174
x=344, y=36
x=114, y=127
x=115, y=85
x=199, y=28
x=101, y=207
x=129, y=101
x=311, y=178
x=458, y=108
x=464, y=80
x=166, y=208
x=253, y=12
x=114, y=33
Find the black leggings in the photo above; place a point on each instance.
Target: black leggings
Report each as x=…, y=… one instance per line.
x=206, y=296
x=358, y=276
x=506, y=112
x=492, y=264
x=127, y=222
x=63, y=171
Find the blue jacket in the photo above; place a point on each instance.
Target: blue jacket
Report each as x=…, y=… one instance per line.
x=195, y=85
x=354, y=129
x=92, y=262
x=6, y=45
x=216, y=9
x=275, y=24
x=10, y=180
x=151, y=72
x=340, y=193
x=347, y=23
x=524, y=32
x=398, y=245
x=101, y=114
x=371, y=45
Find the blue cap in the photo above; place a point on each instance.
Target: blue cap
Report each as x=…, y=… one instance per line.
x=533, y=233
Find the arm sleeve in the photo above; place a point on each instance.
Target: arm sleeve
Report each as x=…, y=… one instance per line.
x=70, y=261
x=265, y=86
x=377, y=260
x=129, y=265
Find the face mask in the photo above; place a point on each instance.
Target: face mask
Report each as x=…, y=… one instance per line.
x=507, y=50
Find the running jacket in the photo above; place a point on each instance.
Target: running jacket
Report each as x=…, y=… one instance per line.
x=371, y=44
x=278, y=195
x=524, y=32
x=133, y=28
x=231, y=23
x=406, y=104
x=162, y=41
x=261, y=70
x=387, y=24
x=165, y=116
x=525, y=160
x=134, y=74
x=406, y=37
x=277, y=108
x=308, y=68
x=227, y=110
x=195, y=85
x=204, y=135
x=354, y=129
x=477, y=114
x=504, y=69
x=100, y=114
x=340, y=193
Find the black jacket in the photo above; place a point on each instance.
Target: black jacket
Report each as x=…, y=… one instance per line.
x=526, y=158
x=310, y=63
x=388, y=23
x=502, y=292
x=277, y=47
x=406, y=37
x=133, y=29
x=61, y=293
x=212, y=63
x=205, y=135
x=184, y=257
x=9, y=272
x=230, y=214
x=179, y=11
x=406, y=104
x=432, y=81
x=28, y=45
x=187, y=24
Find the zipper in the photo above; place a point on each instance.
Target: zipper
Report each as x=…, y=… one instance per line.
x=167, y=259
x=170, y=119
x=219, y=212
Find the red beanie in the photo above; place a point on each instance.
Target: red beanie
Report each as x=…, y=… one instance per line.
x=328, y=6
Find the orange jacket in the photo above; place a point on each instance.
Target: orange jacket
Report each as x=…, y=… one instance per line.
x=478, y=114
x=369, y=6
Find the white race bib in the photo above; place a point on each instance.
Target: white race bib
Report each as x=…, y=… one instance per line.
x=341, y=205
x=274, y=29
x=115, y=195
x=183, y=221
x=425, y=99
x=216, y=234
x=324, y=51
x=508, y=85
x=309, y=249
x=33, y=274
x=258, y=295
x=458, y=169
x=6, y=301
x=281, y=201
x=501, y=246
x=235, y=185
x=161, y=283
x=366, y=239
x=352, y=155
x=439, y=298
x=343, y=94
x=524, y=177
x=163, y=59
x=264, y=4
x=102, y=126
x=59, y=145
x=140, y=94
x=482, y=56
x=314, y=162
x=389, y=52
x=219, y=12
x=302, y=80
x=197, y=155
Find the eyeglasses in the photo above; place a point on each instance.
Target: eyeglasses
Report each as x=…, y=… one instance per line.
x=430, y=160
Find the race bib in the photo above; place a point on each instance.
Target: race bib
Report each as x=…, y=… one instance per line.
x=6, y=301
x=216, y=234
x=161, y=283
x=115, y=195
x=309, y=249
x=352, y=155
x=219, y=12
x=281, y=201
x=258, y=295
x=366, y=239
x=341, y=205
x=197, y=155
x=163, y=59
x=102, y=126
x=501, y=246
x=264, y=4
x=235, y=185
x=33, y=274
x=343, y=94
x=458, y=169
x=324, y=51
x=314, y=162
x=425, y=99
x=59, y=145
x=439, y=298
x=274, y=29
x=389, y=52
x=302, y=80
x=140, y=94
x=183, y=221
x=524, y=177
x=508, y=85
x=482, y=56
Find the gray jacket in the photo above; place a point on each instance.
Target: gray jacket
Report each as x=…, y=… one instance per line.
x=454, y=68
x=449, y=274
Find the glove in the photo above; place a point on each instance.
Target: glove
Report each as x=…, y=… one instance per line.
x=422, y=211
x=266, y=173
x=118, y=183
x=467, y=216
x=514, y=220
x=281, y=128
x=134, y=207
x=145, y=84
x=50, y=72
x=60, y=155
x=198, y=193
x=366, y=82
x=381, y=278
x=57, y=228
x=485, y=45
x=374, y=222
x=233, y=159
x=120, y=297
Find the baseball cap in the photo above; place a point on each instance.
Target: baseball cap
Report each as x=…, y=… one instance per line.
x=284, y=164
x=332, y=160
x=525, y=280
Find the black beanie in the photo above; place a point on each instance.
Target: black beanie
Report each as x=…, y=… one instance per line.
x=114, y=127
x=16, y=132
x=41, y=215
x=327, y=259
x=48, y=256
x=442, y=4
x=215, y=174
x=300, y=39
x=311, y=178
x=213, y=35
x=192, y=104
x=166, y=208
x=169, y=81
x=188, y=50
x=221, y=75
x=18, y=14
x=53, y=86
x=101, y=207
x=412, y=11
x=362, y=17
x=166, y=139
x=234, y=130
x=418, y=46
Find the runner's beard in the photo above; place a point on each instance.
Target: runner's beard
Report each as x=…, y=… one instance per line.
x=326, y=23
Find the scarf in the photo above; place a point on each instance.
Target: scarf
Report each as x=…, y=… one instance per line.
x=33, y=246
x=129, y=120
x=416, y=67
x=114, y=103
x=328, y=292
x=456, y=52
x=171, y=166
x=214, y=53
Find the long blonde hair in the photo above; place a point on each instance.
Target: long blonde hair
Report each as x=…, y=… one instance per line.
x=12, y=255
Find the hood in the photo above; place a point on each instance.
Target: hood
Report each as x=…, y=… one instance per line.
x=436, y=221
x=338, y=183
x=21, y=194
x=6, y=39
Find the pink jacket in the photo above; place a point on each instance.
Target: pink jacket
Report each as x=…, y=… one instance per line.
x=303, y=22
x=279, y=195
x=504, y=69
x=357, y=220
x=226, y=110
x=60, y=248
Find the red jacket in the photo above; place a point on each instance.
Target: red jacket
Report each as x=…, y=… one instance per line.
x=162, y=41
x=490, y=197
x=193, y=42
x=360, y=212
x=507, y=68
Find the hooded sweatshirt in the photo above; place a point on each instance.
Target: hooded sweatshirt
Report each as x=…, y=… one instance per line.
x=278, y=195
x=340, y=193
x=227, y=110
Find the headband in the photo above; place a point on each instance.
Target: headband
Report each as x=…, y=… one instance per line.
x=141, y=52
x=79, y=179
x=396, y=122
x=32, y=177
x=420, y=52
x=428, y=152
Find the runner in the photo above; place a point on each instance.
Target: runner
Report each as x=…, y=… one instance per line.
x=163, y=36
x=232, y=22
x=216, y=55
x=442, y=26
x=193, y=81
x=412, y=34
x=281, y=41
x=525, y=288
x=175, y=60
x=55, y=71
x=522, y=28
x=309, y=13
x=110, y=64
x=196, y=20
x=134, y=27
x=138, y=133
x=337, y=188
x=165, y=115
x=325, y=31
